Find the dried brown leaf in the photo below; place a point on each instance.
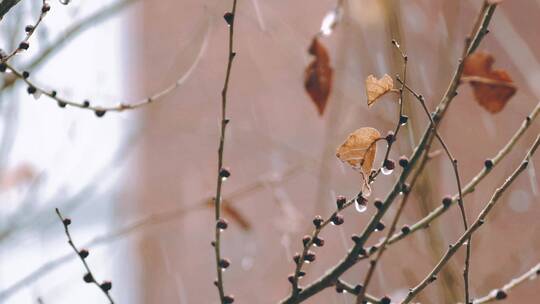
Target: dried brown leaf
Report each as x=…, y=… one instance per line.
x=359, y=149
x=492, y=88
x=318, y=76
x=376, y=88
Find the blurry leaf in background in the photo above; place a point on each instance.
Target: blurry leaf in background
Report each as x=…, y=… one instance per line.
x=376, y=88
x=318, y=76
x=21, y=174
x=359, y=149
x=232, y=213
x=492, y=88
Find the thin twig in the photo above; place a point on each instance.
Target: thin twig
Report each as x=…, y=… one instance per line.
x=101, y=110
x=82, y=254
x=351, y=258
x=30, y=30
x=373, y=263
x=502, y=293
x=454, y=163
x=479, y=221
x=354, y=291
x=223, y=173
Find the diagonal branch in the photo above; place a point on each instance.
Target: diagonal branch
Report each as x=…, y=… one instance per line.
x=479, y=221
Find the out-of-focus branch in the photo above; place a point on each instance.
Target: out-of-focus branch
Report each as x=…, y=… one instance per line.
x=502, y=293
x=7, y=5
x=479, y=221
x=105, y=286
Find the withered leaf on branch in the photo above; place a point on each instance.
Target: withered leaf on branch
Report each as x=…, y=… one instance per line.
x=492, y=88
x=359, y=149
x=376, y=88
x=318, y=76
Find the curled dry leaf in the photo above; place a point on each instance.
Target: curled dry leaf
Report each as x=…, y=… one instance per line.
x=376, y=88
x=359, y=150
x=318, y=76
x=492, y=88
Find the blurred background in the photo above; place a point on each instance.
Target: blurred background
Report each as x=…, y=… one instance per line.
x=137, y=184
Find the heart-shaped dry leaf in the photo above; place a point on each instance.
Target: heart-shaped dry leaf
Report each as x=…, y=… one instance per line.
x=318, y=76
x=492, y=88
x=359, y=149
x=375, y=88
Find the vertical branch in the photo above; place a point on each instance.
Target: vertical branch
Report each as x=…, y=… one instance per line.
x=83, y=254
x=454, y=162
x=223, y=173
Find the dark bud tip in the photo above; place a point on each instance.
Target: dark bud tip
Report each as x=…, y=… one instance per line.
x=355, y=238
x=432, y=278
x=100, y=113
x=389, y=164
x=301, y=274
x=340, y=201
x=405, y=188
x=338, y=219
x=358, y=288
x=319, y=242
x=67, y=222
x=31, y=90
x=317, y=221
x=403, y=119
x=447, y=201
x=378, y=204
x=224, y=173
x=29, y=28
x=24, y=45
x=405, y=229
x=224, y=263
x=404, y=161
x=53, y=94
x=306, y=239
x=3, y=67
x=390, y=137
x=83, y=253
x=385, y=300
x=488, y=163
x=106, y=286
x=339, y=289
x=222, y=224
x=45, y=8
x=229, y=18
x=309, y=256
x=501, y=295
x=296, y=258
x=380, y=226
x=228, y=299
x=61, y=104
x=213, y=243
x=291, y=278
x=88, y=278
x=25, y=74
x=372, y=249
x=86, y=104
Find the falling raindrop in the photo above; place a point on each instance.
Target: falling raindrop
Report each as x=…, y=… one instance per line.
x=330, y=21
x=360, y=206
x=36, y=95
x=386, y=171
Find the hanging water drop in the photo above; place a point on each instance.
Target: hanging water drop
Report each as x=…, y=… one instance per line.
x=330, y=21
x=64, y=2
x=386, y=171
x=36, y=95
x=360, y=206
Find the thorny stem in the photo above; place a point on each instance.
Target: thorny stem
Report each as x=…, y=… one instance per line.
x=351, y=258
x=501, y=293
x=89, y=273
x=479, y=221
x=224, y=122
x=373, y=263
x=454, y=163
